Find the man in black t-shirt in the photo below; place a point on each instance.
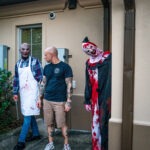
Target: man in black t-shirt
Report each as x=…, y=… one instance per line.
x=56, y=88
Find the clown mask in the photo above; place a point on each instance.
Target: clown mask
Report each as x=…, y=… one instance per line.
x=90, y=48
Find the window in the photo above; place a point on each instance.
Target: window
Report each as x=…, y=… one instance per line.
x=33, y=35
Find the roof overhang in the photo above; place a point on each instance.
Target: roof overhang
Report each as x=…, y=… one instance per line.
x=14, y=8
x=13, y=2
x=31, y=7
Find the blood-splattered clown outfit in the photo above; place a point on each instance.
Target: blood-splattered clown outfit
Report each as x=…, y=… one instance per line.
x=98, y=92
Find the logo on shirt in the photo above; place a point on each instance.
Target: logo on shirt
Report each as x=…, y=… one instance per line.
x=57, y=70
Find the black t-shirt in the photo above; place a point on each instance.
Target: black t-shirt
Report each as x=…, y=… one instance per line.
x=56, y=88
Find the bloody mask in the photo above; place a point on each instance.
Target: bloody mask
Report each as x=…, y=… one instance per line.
x=25, y=50
x=90, y=48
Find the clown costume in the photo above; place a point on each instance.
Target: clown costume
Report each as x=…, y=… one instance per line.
x=98, y=92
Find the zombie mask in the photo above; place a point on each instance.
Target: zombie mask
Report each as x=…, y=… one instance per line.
x=25, y=50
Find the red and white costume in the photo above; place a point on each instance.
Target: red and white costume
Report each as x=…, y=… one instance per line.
x=98, y=92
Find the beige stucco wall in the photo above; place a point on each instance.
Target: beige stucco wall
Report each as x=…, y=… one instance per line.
x=117, y=60
x=142, y=62
x=141, y=130
x=117, y=74
x=66, y=31
x=141, y=122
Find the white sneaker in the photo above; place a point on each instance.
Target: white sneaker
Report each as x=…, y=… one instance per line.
x=66, y=147
x=49, y=146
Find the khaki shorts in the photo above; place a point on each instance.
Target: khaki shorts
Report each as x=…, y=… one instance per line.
x=54, y=111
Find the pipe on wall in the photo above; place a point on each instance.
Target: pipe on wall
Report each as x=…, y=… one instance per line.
x=107, y=25
x=128, y=75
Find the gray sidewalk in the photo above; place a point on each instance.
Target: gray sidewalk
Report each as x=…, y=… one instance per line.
x=78, y=140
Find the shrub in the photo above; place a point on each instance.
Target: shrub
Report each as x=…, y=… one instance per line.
x=5, y=98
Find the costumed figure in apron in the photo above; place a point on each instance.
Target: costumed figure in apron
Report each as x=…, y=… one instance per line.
x=26, y=84
x=98, y=92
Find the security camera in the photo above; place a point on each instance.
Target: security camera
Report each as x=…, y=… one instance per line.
x=52, y=15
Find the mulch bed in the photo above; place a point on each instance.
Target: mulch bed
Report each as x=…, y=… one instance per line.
x=13, y=125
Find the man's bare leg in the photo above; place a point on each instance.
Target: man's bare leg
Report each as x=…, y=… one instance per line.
x=50, y=130
x=50, y=144
x=65, y=134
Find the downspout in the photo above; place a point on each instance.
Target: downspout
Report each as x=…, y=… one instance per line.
x=107, y=21
x=128, y=75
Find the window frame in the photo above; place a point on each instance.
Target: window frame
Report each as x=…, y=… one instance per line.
x=19, y=35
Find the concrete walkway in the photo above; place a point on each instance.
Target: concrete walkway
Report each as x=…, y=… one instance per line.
x=79, y=140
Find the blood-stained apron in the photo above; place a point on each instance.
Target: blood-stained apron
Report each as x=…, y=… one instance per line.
x=28, y=91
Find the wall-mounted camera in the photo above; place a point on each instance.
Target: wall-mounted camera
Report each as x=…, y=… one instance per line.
x=52, y=15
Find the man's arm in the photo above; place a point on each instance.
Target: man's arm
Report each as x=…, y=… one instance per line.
x=41, y=91
x=37, y=70
x=69, y=93
x=88, y=88
x=88, y=91
x=16, y=84
x=69, y=88
x=16, y=81
x=42, y=86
